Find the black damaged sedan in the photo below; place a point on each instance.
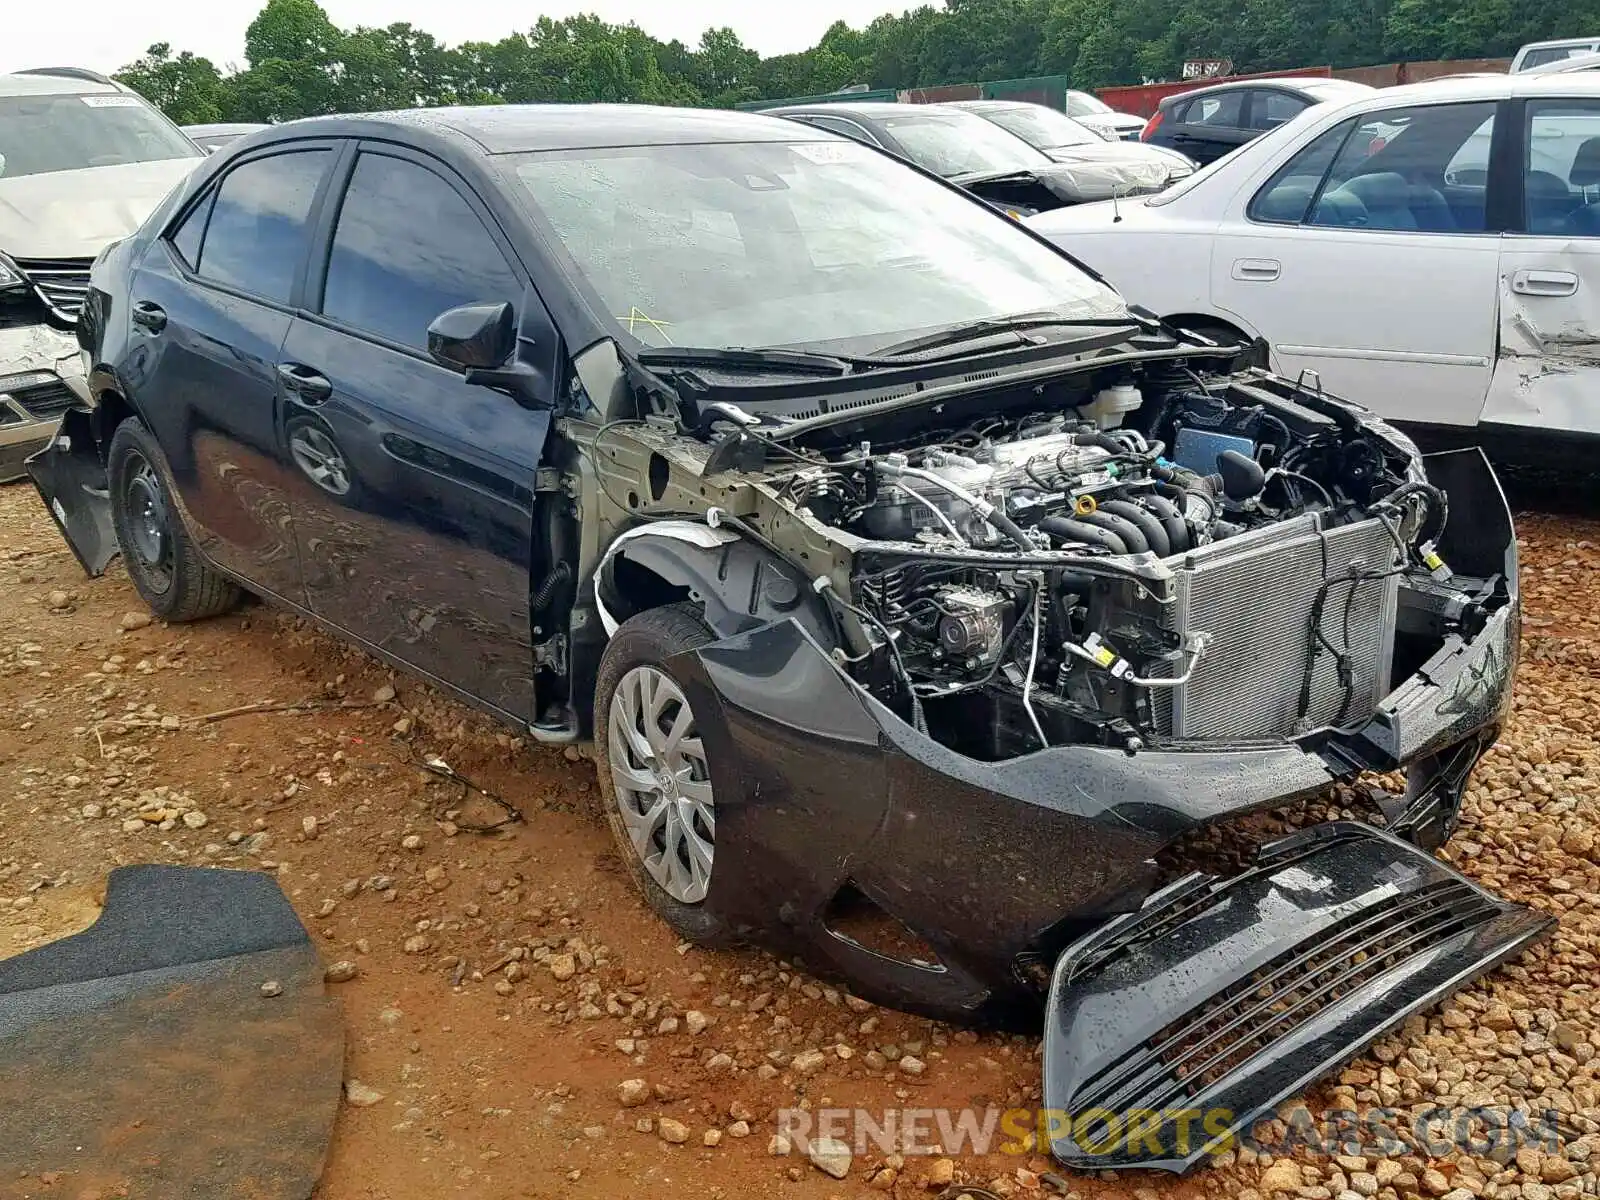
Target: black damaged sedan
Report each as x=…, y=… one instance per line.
x=927, y=605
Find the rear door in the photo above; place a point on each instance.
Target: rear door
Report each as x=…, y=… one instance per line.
x=1547, y=373
x=1207, y=127
x=211, y=304
x=1369, y=257
x=414, y=493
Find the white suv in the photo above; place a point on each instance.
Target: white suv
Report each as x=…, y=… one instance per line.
x=83, y=160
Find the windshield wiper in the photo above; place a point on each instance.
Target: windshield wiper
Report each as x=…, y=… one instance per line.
x=790, y=362
x=989, y=327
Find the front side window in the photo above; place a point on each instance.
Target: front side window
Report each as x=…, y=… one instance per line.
x=257, y=236
x=780, y=244
x=407, y=247
x=43, y=134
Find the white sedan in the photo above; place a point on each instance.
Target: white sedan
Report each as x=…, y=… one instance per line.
x=1432, y=252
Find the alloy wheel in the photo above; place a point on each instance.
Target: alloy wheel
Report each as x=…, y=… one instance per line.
x=663, y=786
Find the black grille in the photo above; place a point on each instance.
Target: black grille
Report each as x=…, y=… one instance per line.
x=61, y=282
x=1207, y=1043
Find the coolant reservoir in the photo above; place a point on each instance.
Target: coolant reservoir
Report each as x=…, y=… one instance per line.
x=1110, y=404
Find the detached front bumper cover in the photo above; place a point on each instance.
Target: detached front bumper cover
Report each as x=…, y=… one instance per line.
x=1170, y=1028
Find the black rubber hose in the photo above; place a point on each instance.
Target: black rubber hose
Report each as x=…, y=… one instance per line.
x=1070, y=530
x=1012, y=530
x=1121, y=526
x=553, y=583
x=1155, y=534
x=1171, y=520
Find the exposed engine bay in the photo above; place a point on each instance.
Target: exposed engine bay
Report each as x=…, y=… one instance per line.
x=1168, y=558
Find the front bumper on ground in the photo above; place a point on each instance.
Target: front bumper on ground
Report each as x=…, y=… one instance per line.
x=1172, y=1026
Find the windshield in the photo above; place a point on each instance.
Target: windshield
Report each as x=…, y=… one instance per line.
x=953, y=144
x=41, y=134
x=761, y=244
x=1040, y=126
x=1082, y=104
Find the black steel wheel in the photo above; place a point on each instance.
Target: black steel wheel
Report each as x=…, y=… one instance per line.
x=160, y=556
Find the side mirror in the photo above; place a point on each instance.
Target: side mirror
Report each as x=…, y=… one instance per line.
x=474, y=337
x=480, y=341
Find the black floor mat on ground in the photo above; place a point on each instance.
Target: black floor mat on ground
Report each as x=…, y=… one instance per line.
x=141, y=1059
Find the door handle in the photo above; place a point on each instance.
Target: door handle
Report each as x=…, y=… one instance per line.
x=149, y=315
x=1544, y=283
x=1257, y=270
x=305, y=383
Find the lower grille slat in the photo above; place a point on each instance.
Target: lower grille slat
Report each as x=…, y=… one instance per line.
x=1164, y=1068
x=1174, y=1050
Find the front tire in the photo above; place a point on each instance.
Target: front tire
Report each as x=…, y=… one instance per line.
x=655, y=780
x=160, y=556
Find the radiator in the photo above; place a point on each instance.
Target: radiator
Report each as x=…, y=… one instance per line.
x=1255, y=595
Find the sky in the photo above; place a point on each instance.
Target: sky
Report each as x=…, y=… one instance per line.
x=105, y=35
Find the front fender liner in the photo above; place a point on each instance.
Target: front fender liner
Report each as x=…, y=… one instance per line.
x=71, y=480
x=739, y=585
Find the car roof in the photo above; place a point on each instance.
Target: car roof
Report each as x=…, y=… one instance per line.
x=1305, y=85
x=513, y=128
x=993, y=105
x=224, y=127
x=854, y=108
x=56, y=81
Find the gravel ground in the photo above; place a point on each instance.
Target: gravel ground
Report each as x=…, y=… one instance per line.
x=519, y=1025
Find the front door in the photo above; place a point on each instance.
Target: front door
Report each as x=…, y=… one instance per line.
x=415, y=495
x=1547, y=374
x=1369, y=258
x=210, y=306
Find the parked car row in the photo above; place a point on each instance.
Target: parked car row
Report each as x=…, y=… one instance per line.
x=1431, y=251
x=1019, y=160
x=927, y=604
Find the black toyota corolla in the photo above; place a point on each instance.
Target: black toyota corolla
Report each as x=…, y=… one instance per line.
x=929, y=607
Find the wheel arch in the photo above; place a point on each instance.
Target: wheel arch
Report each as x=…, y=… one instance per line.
x=737, y=586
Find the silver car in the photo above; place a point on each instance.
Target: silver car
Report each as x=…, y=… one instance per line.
x=83, y=161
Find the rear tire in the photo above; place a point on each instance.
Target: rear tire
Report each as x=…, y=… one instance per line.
x=160, y=556
x=655, y=781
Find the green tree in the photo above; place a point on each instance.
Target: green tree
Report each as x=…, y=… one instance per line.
x=188, y=89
